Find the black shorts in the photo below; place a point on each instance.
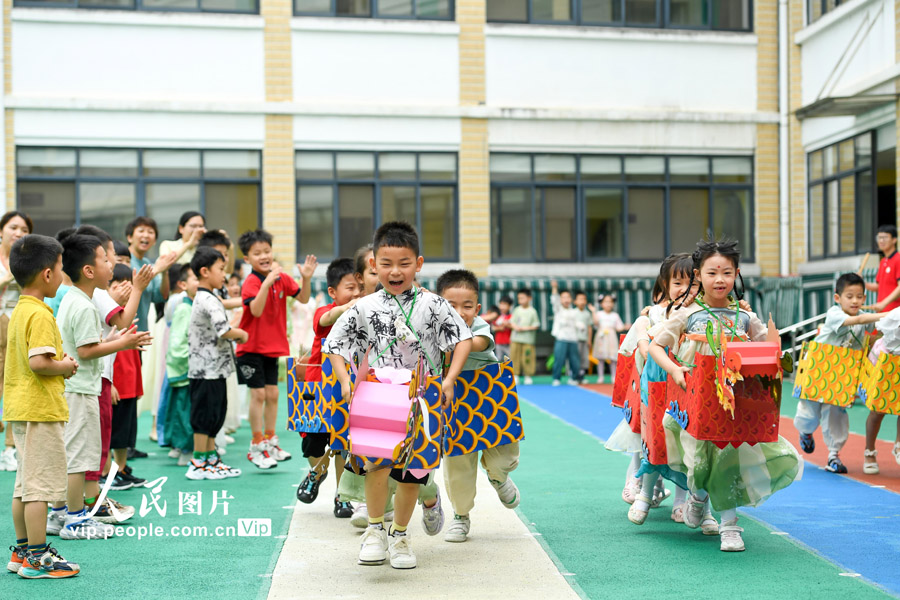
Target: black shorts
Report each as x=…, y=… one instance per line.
x=315, y=444
x=396, y=474
x=257, y=371
x=209, y=402
x=124, y=424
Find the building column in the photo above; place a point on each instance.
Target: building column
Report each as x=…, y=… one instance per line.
x=279, y=207
x=767, y=176
x=799, y=245
x=897, y=116
x=9, y=137
x=474, y=167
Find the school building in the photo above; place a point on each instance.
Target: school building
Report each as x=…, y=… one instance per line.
x=528, y=139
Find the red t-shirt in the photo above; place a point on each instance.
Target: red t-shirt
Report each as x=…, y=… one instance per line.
x=314, y=371
x=887, y=278
x=127, y=374
x=501, y=338
x=268, y=332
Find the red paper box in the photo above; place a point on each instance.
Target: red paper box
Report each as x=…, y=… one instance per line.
x=624, y=374
x=653, y=436
x=699, y=413
x=633, y=401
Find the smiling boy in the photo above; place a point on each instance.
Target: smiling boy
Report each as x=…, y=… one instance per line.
x=396, y=325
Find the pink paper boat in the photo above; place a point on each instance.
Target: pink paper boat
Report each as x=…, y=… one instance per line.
x=378, y=415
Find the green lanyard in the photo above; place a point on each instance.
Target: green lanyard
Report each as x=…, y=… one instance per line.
x=408, y=318
x=722, y=326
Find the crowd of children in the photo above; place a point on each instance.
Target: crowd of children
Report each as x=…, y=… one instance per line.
x=78, y=335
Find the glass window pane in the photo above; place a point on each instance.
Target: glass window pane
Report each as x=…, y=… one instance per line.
x=601, y=11
x=312, y=6
x=732, y=218
x=398, y=203
x=395, y=165
x=507, y=10
x=314, y=165
x=554, y=167
x=233, y=207
x=817, y=220
x=551, y=10
x=352, y=8
x=688, y=13
x=356, y=220
x=438, y=222
x=109, y=163
x=433, y=9
x=395, y=8
x=511, y=217
x=848, y=214
x=689, y=219
x=863, y=150
x=829, y=155
x=646, y=224
x=510, y=167
x=166, y=202
x=865, y=210
x=50, y=205
x=833, y=201
x=733, y=170
x=605, y=235
x=441, y=167
x=170, y=4
x=171, y=163
x=688, y=169
x=601, y=168
x=109, y=206
x=231, y=164
x=815, y=10
x=845, y=155
x=815, y=166
x=315, y=220
x=640, y=12
x=731, y=14
x=45, y=161
x=248, y=6
x=559, y=223
x=355, y=165
x=107, y=3
x=645, y=168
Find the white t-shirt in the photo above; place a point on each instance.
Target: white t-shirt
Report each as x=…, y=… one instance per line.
x=108, y=308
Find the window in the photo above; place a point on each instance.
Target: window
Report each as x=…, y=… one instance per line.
x=571, y=208
x=717, y=15
x=226, y=6
x=342, y=197
x=817, y=8
x=106, y=187
x=841, y=198
x=382, y=9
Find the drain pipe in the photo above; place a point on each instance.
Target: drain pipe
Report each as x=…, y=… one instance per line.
x=784, y=192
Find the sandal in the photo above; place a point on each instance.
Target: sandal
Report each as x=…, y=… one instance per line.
x=709, y=525
x=636, y=515
x=870, y=468
x=677, y=513
x=660, y=493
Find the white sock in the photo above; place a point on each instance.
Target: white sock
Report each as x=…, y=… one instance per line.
x=642, y=503
x=729, y=516
x=680, y=494
x=633, y=467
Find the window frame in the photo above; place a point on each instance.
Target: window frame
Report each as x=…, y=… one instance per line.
x=138, y=7
x=823, y=5
x=140, y=180
x=373, y=12
x=663, y=18
x=376, y=183
x=581, y=186
x=856, y=172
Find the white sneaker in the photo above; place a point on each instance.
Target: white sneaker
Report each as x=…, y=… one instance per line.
x=458, y=531
x=120, y=512
x=896, y=452
x=184, y=459
x=226, y=470
x=402, y=556
x=556, y=383
x=275, y=450
x=373, y=546
x=259, y=456
x=389, y=516
x=8, y=460
x=694, y=510
x=432, y=519
x=228, y=439
x=56, y=520
x=80, y=527
x=730, y=537
x=174, y=453
x=709, y=525
x=507, y=491
x=201, y=471
x=871, y=468
x=360, y=516
x=528, y=381
x=573, y=382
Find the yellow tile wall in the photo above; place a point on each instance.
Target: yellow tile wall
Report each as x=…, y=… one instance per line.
x=767, y=182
